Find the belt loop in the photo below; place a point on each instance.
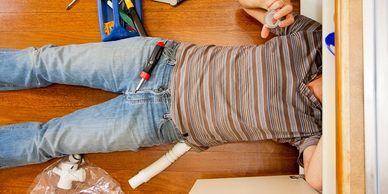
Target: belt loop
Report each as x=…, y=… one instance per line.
x=170, y=52
x=167, y=116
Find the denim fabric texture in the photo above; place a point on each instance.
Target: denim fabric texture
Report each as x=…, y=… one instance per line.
x=128, y=122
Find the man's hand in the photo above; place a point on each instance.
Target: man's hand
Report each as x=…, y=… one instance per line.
x=257, y=9
x=283, y=9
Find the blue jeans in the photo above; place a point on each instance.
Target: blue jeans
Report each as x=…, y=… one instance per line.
x=127, y=122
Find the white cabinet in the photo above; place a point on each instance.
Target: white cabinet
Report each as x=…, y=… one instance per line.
x=253, y=185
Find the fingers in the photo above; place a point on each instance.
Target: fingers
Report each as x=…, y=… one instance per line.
x=277, y=4
x=265, y=32
x=284, y=9
x=287, y=9
x=288, y=21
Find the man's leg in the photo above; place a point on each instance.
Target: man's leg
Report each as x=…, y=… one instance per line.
x=127, y=122
x=112, y=66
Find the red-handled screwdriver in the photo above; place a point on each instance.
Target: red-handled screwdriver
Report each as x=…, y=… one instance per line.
x=152, y=61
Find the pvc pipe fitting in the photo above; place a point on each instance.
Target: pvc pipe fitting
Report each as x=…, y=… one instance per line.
x=269, y=19
x=158, y=166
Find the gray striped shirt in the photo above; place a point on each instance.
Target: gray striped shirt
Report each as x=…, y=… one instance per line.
x=223, y=94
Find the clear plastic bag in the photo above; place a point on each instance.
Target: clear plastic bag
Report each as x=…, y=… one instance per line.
x=70, y=176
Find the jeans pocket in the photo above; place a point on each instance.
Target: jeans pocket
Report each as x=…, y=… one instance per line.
x=168, y=132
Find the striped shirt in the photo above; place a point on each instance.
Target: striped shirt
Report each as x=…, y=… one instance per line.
x=225, y=94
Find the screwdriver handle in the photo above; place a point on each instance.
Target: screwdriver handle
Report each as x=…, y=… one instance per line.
x=152, y=61
x=154, y=58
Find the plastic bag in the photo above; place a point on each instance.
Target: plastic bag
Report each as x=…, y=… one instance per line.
x=74, y=174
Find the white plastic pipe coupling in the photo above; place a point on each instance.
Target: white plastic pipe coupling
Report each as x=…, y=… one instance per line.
x=158, y=166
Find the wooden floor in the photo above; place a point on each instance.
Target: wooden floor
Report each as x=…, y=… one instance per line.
x=26, y=23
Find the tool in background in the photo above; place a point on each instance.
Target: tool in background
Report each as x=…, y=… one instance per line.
x=128, y=3
x=108, y=26
x=139, y=8
x=71, y=4
x=106, y=18
x=152, y=61
x=118, y=32
x=123, y=15
x=132, y=12
x=171, y=2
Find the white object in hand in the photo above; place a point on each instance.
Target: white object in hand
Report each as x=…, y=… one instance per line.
x=68, y=172
x=269, y=20
x=155, y=168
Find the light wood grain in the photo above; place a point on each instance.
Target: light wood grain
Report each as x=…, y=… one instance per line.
x=349, y=99
x=25, y=23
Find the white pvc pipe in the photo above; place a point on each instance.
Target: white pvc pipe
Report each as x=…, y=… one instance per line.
x=158, y=166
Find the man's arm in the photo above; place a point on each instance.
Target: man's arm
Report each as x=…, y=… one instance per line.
x=255, y=3
x=312, y=160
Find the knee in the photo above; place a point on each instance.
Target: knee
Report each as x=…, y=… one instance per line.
x=314, y=183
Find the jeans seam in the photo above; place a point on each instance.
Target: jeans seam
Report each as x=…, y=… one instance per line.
x=34, y=64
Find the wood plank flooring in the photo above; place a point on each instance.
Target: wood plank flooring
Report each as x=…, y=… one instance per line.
x=25, y=23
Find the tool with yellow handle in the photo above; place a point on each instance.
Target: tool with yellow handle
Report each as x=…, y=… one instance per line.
x=135, y=17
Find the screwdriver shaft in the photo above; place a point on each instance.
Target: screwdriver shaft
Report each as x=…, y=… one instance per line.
x=138, y=86
x=71, y=4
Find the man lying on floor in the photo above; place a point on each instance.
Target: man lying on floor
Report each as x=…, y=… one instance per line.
x=203, y=95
